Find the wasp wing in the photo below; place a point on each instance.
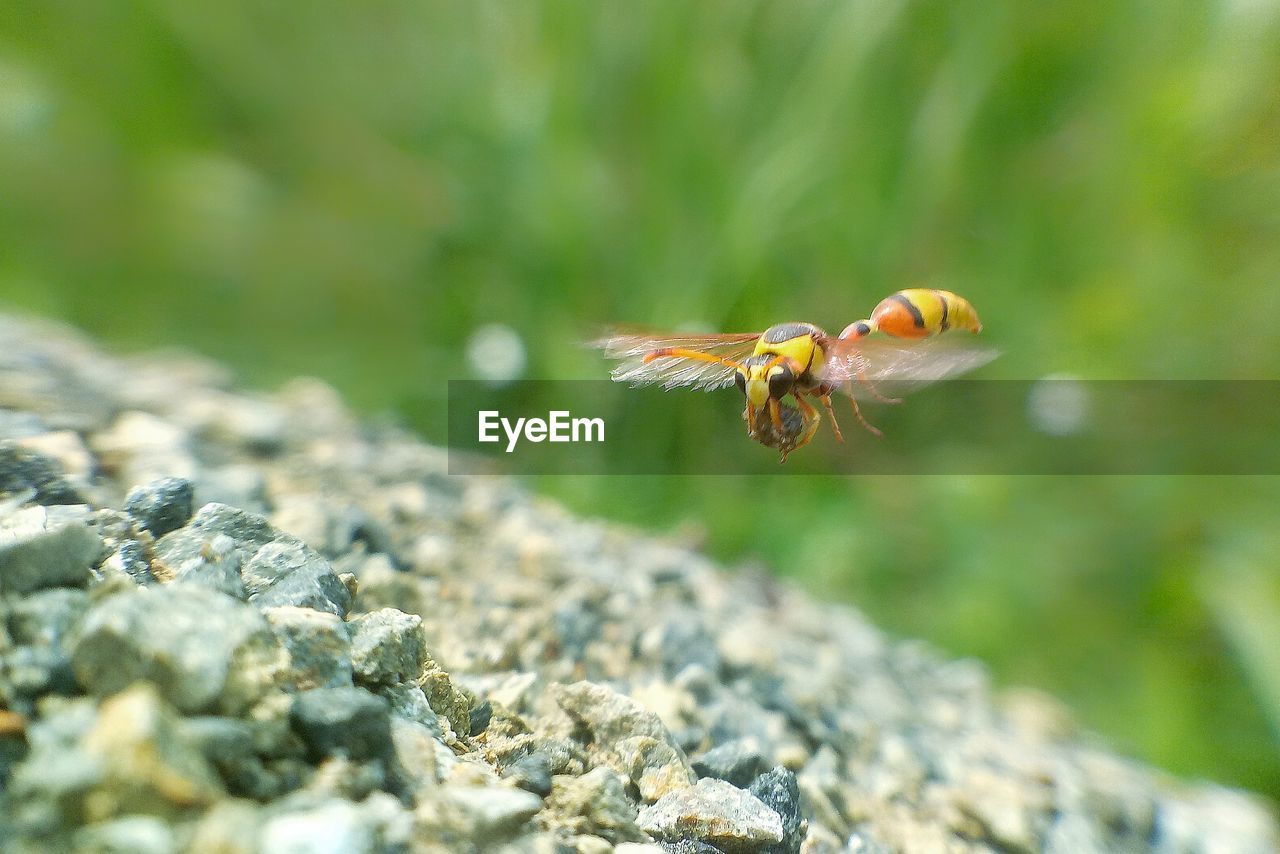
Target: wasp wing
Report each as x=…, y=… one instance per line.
x=870, y=368
x=630, y=346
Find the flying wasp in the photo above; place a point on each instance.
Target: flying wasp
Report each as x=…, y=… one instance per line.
x=796, y=361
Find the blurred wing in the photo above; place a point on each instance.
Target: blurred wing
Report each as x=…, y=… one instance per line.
x=629, y=347
x=895, y=366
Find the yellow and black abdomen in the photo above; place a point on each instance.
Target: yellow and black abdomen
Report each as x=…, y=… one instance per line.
x=921, y=312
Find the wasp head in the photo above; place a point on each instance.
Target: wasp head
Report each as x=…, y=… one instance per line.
x=764, y=379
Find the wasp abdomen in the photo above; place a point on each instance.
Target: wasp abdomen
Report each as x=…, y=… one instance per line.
x=919, y=313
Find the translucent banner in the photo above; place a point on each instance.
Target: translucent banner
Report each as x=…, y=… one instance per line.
x=1048, y=426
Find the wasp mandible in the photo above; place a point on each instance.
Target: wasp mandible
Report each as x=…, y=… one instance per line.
x=800, y=360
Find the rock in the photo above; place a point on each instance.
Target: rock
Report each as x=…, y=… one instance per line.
x=204, y=650
x=228, y=827
x=479, y=717
x=46, y=547
x=68, y=450
x=26, y=472
x=531, y=773
x=1014, y=815
x=332, y=827
x=387, y=646
x=682, y=641
x=247, y=530
x=446, y=699
x=655, y=767
x=238, y=485
x=41, y=625
x=142, y=447
x=627, y=737
x=28, y=672
x=148, y=766
x=779, y=791
x=737, y=762
x=47, y=618
x=134, y=834
x=716, y=813
x=606, y=714
x=286, y=572
x=595, y=804
x=129, y=560
x=188, y=556
x=689, y=846
x=162, y=505
x=477, y=816
x=347, y=721
x=319, y=647
x=415, y=748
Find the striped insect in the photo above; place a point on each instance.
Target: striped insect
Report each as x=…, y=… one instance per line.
x=799, y=361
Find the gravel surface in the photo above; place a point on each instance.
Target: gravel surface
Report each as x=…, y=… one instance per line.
x=236, y=622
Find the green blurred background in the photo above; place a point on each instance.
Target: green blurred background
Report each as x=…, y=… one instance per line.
x=352, y=190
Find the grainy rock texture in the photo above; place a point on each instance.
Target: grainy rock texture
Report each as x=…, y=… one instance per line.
x=235, y=622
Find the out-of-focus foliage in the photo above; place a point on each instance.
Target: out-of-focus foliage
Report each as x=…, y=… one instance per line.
x=351, y=190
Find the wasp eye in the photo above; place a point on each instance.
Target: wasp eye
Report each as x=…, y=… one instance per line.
x=780, y=381
x=740, y=380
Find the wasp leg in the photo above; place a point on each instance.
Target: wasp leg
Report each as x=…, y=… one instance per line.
x=852, y=332
x=835, y=425
x=811, y=422
x=681, y=353
x=775, y=414
x=862, y=378
x=858, y=414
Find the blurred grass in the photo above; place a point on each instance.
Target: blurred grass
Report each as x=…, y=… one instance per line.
x=351, y=190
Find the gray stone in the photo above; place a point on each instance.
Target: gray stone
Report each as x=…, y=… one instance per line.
x=608, y=715
x=203, y=649
x=28, y=672
x=134, y=834
x=188, y=556
x=737, y=762
x=333, y=827
x=531, y=773
x=247, y=529
x=129, y=560
x=46, y=618
x=286, y=572
x=595, y=804
x=479, y=717
x=319, y=647
x=148, y=765
x=23, y=472
x=479, y=816
x=416, y=748
x=348, y=721
x=656, y=767
x=387, y=646
x=162, y=505
x=778, y=790
x=228, y=827
x=46, y=547
x=274, y=560
x=716, y=813
x=627, y=737
x=446, y=699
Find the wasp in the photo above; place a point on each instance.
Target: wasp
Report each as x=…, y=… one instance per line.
x=779, y=371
